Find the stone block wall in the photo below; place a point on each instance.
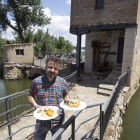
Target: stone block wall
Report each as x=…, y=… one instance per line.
x=16, y=71
x=10, y=53
x=83, y=12
x=114, y=128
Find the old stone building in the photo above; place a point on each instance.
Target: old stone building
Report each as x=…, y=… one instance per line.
x=112, y=35
x=19, y=53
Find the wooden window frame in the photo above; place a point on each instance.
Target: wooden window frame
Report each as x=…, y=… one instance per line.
x=19, y=51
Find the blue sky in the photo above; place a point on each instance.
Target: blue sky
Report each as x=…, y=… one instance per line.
x=59, y=11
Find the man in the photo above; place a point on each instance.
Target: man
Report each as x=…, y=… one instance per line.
x=50, y=90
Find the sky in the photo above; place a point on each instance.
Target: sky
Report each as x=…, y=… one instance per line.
x=59, y=11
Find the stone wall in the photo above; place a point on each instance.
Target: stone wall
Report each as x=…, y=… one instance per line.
x=16, y=71
x=114, y=128
x=10, y=55
x=83, y=12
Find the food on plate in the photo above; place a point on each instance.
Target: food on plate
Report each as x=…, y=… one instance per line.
x=77, y=102
x=46, y=112
x=50, y=112
x=39, y=111
x=71, y=103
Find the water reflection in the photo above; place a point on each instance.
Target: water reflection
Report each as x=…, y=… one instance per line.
x=2, y=88
x=8, y=87
x=131, y=119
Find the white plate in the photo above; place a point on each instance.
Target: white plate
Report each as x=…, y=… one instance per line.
x=40, y=117
x=82, y=106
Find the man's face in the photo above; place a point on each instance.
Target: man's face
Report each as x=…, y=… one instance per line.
x=52, y=70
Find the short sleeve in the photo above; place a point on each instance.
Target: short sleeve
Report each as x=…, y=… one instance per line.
x=33, y=90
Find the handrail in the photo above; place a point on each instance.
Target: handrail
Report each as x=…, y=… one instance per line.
x=13, y=111
x=70, y=121
x=108, y=108
x=104, y=117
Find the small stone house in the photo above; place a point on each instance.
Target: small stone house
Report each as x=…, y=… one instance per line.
x=112, y=30
x=19, y=53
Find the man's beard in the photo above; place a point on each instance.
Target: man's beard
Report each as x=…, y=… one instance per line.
x=51, y=75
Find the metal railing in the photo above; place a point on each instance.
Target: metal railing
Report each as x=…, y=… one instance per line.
x=104, y=115
x=71, y=121
x=65, y=63
x=102, y=118
x=15, y=106
x=108, y=109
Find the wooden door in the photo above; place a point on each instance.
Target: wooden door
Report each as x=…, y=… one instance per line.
x=120, y=50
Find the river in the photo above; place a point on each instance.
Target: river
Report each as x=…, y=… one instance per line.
x=8, y=87
x=131, y=119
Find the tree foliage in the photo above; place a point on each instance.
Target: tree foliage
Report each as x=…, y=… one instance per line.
x=25, y=14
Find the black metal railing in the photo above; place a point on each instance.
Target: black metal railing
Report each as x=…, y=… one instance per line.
x=108, y=109
x=15, y=106
x=102, y=118
x=104, y=115
x=71, y=121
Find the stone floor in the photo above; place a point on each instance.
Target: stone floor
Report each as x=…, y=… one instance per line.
x=86, y=91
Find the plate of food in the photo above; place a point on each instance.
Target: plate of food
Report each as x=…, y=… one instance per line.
x=73, y=105
x=46, y=113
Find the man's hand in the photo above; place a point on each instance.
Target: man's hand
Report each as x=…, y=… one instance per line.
x=67, y=98
x=38, y=106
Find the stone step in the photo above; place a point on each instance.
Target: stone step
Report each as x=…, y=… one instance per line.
x=106, y=86
x=104, y=92
x=118, y=65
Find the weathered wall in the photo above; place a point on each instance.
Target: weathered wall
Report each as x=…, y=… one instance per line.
x=102, y=37
x=83, y=12
x=16, y=71
x=135, y=71
x=10, y=53
x=114, y=128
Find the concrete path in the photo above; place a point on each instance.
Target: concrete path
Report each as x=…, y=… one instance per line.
x=86, y=91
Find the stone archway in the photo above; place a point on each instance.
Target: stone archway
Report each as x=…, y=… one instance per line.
x=35, y=75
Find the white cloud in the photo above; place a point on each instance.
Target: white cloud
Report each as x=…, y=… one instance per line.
x=47, y=12
x=68, y=1
x=59, y=26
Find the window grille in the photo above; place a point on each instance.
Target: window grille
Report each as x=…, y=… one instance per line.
x=20, y=52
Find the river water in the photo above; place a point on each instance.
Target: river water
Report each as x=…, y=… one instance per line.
x=131, y=119
x=8, y=87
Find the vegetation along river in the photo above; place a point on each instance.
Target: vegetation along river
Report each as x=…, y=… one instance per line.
x=131, y=119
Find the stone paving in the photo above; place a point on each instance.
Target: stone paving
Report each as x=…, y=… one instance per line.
x=85, y=90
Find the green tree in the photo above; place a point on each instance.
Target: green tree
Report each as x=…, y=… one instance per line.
x=25, y=14
x=69, y=47
x=2, y=42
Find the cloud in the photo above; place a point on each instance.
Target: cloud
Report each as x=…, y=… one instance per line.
x=59, y=26
x=68, y=1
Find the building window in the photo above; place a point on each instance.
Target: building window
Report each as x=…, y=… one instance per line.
x=99, y=4
x=20, y=52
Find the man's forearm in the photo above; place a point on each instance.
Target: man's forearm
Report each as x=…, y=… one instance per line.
x=32, y=101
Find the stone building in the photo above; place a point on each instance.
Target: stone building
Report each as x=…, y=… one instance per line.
x=19, y=53
x=112, y=35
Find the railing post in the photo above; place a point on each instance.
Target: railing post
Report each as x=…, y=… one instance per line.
x=73, y=129
x=101, y=123
x=8, y=119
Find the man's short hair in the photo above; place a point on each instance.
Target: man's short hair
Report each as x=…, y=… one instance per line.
x=53, y=59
